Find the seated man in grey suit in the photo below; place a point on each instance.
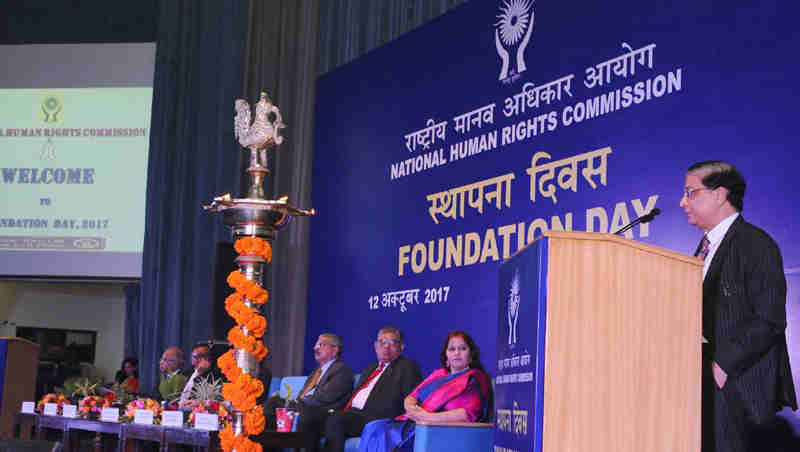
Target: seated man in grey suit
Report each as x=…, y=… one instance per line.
x=380, y=391
x=327, y=388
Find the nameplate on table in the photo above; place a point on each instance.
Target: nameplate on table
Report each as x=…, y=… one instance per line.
x=144, y=417
x=172, y=418
x=205, y=421
x=109, y=415
x=51, y=409
x=28, y=407
x=70, y=411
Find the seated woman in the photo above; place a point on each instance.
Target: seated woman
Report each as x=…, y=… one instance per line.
x=458, y=392
x=128, y=375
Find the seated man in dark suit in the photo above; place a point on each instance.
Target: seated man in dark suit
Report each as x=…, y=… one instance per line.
x=204, y=372
x=327, y=388
x=380, y=391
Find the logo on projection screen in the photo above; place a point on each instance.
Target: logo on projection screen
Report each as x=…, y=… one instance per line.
x=51, y=109
x=513, y=309
x=512, y=35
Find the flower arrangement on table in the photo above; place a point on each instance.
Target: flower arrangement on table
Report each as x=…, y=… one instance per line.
x=206, y=397
x=59, y=399
x=244, y=389
x=91, y=406
x=210, y=407
x=143, y=404
x=119, y=395
x=78, y=387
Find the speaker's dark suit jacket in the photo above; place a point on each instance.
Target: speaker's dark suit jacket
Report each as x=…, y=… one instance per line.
x=396, y=382
x=744, y=318
x=333, y=389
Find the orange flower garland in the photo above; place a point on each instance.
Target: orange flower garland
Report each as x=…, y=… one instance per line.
x=254, y=421
x=227, y=364
x=253, y=246
x=242, y=389
x=244, y=287
x=229, y=441
x=237, y=338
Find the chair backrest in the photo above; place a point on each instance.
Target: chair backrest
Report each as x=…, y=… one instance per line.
x=22, y=445
x=274, y=386
x=296, y=383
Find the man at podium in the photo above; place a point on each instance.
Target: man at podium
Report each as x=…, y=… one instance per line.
x=746, y=374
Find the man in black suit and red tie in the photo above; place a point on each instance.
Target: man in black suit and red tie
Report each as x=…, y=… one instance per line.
x=327, y=388
x=379, y=392
x=746, y=373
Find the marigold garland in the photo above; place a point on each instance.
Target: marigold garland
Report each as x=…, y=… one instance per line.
x=237, y=338
x=242, y=389
x=229, y=441
x=253, y=246
x=256, y=324
x=244, y=287
x=227, y=364
x=254, y=421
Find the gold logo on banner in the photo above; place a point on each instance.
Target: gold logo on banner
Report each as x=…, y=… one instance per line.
x=52, y=109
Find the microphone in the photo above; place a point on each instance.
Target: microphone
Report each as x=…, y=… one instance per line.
x=643, y=219
x=212, y=342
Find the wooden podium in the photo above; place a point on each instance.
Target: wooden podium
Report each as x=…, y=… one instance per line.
x=19, y=359
x=614, y=361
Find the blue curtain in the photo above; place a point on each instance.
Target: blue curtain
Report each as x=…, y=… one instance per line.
x=193, y=157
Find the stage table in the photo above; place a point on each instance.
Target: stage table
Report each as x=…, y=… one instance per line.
x=99, y=428
x=199, y=440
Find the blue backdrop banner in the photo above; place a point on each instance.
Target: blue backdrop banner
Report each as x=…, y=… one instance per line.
x=444, y=152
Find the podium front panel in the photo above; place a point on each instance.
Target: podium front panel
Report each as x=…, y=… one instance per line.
x=519, y=384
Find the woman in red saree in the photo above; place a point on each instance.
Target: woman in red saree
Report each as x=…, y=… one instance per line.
x=128, y=375
x=458, y=392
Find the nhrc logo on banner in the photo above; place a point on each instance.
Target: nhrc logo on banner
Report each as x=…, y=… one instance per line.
x=512, y=35
x=513, y=309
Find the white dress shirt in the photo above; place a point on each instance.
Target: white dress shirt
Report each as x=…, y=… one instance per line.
x=715, y=236
x=361, y=398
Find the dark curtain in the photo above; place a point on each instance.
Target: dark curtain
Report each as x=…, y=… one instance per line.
x=209, y=54
x=281, y=60
x=351, y=28
x=193, y=157
x=76, y=21
x=133, y=296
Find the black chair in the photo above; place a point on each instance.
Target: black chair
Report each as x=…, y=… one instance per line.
x=22, y=445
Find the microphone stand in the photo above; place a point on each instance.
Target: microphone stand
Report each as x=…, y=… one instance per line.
x=643, y=219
